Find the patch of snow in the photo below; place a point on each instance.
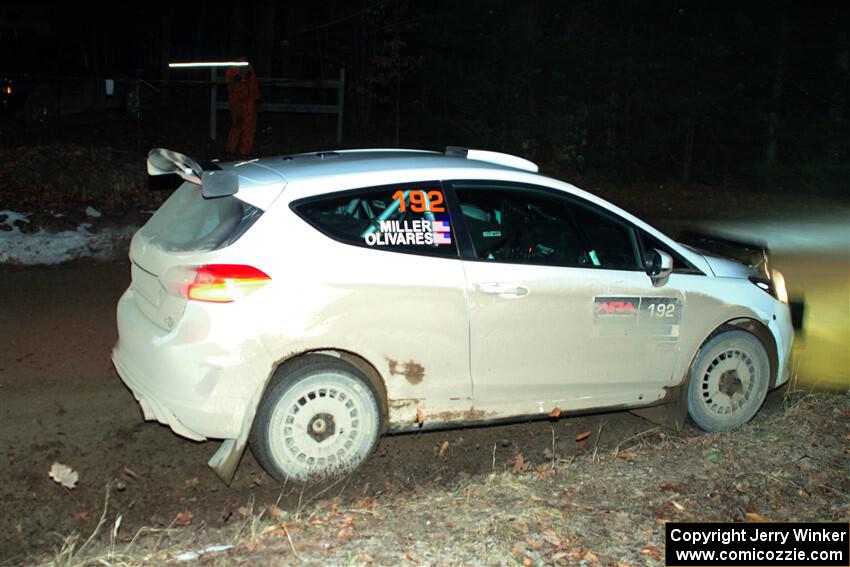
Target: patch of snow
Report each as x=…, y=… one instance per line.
x=12, y=216
x=93, y=213
x=44, y=247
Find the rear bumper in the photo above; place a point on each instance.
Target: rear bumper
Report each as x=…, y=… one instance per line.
x=183, y=378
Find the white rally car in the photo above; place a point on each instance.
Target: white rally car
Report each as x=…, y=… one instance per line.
x=308, y=304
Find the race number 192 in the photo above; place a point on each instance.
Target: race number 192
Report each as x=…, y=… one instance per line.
x=420, y=201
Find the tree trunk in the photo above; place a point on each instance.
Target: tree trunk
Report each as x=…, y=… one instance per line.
x=165, y=50
x=688, y=155
x=265, y=46
x=771, y=150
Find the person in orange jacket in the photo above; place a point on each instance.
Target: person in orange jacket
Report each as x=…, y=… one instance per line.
x=242, y=94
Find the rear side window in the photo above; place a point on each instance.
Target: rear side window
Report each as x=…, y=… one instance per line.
x=187, y=222
x=403, y=218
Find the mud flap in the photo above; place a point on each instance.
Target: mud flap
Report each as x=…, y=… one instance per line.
x=672, y=412
x=229, y=454
x=227, y=458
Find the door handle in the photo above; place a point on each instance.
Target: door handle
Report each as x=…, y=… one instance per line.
x=503, y=288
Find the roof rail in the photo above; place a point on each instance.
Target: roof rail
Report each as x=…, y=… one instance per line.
x=498, y=158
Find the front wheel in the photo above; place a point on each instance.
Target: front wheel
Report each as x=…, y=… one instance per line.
x=320, y=419
x=728, y=381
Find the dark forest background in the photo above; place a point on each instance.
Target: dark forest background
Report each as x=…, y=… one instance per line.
x=642, y=90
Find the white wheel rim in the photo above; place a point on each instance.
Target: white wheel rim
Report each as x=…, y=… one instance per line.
x=729, y=382
x=323, y=423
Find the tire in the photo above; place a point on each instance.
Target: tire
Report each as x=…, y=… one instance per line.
x=320, y=419
x=728, y=381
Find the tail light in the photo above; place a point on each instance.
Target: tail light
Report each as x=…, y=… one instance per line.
x=224, y=283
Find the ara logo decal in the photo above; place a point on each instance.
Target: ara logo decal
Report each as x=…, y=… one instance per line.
x=616, y=307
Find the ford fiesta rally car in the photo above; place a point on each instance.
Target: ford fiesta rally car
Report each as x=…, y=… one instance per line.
x=308, y=304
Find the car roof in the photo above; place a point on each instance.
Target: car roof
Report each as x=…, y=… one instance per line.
x=318, y=165
x=314, y=165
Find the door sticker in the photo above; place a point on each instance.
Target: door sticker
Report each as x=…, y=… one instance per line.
x=431, y=229
x=645, y=316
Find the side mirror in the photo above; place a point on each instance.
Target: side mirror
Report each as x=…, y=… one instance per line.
x=659, y=266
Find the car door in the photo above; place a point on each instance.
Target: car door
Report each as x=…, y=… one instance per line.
x=561, y=311
x=387, y=284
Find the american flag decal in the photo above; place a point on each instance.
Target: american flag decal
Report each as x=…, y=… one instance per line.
x=442, y=232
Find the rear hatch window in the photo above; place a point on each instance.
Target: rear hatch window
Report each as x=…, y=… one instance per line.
x=185, y=225
x=187, y=222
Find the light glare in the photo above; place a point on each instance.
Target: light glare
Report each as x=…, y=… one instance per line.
x=192, y=64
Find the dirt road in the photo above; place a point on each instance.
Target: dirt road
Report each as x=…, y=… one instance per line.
x=62, y=401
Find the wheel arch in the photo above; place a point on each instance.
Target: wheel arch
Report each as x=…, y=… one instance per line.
x=284, y=367
x=672, y=410
x=758, y=330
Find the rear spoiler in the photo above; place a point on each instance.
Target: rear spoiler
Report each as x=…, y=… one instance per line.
x=214, y=183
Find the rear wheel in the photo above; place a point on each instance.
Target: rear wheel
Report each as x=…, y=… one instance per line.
x=320, y=419
x=728, y=381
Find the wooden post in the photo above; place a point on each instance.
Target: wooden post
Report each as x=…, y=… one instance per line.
x=340, y=97
x=213, y=100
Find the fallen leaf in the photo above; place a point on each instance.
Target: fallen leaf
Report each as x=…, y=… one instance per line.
x=131, y=473
x=581, y=437
x=85, y=515
x=669, y=486
x=519, y=464
x=244, y=511
x=280, y=531
x=420, y=416
x=443, y=449
x=677, y=506
x=64, y=475
x=536, y=499
x=183, y=518
x=316, y=522
x=516, y=550
x=345, y=533
x=347, y=520
x=556, y=412
x=590, y=556
x=527, y=561
x=192, y=483
x=551, y=538
x=756, y=517
x=409, y=557
x=275, y=512
x=651, y=551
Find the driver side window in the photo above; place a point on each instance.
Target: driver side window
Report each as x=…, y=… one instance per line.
x=522, y=224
